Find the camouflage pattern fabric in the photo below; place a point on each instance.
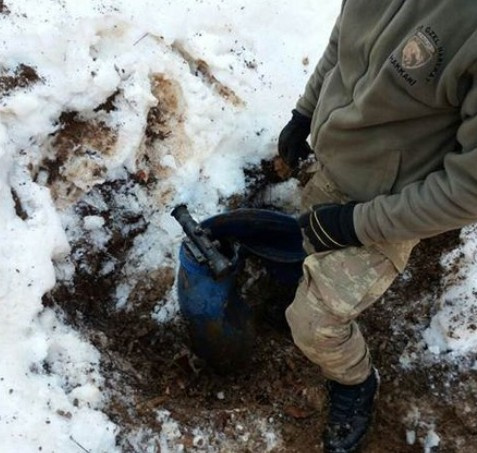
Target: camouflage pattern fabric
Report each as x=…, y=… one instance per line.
x=337, y=286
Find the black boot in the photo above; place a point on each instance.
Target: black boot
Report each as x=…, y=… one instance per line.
x=350, y=413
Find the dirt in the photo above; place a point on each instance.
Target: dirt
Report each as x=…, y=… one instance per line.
x=17, y=78
x=149, y=367
x=74, y=155
x=3, y=8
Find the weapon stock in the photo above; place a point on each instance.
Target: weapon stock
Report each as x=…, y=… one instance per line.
x=203, y=248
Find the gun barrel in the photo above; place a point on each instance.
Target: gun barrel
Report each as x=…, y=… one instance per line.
x=216, y=261
x=182, y=215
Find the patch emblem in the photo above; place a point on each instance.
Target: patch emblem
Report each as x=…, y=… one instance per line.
x=418, y=51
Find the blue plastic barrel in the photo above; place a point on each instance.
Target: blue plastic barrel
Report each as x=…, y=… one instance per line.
x=272, y=235
x=221, y=326
x=221, y=323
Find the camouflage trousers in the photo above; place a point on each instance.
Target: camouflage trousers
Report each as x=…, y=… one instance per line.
x=336, y=287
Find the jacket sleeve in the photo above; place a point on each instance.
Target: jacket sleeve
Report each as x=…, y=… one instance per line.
x=445, y=200
x=307, y=102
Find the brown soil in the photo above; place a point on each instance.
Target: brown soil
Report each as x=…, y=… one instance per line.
x=22, y=76
x=149, y=367
x=3, y=8
x=75, y=153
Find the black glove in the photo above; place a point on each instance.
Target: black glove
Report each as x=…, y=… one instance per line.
x=292, y=144
x=330, y=226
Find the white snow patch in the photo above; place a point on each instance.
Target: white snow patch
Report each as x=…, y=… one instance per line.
x=432, y=441
x=454, y=328
x=93, y=222
x=410, y=437
x=419, y=429
x=170, y=433
x=84, y=52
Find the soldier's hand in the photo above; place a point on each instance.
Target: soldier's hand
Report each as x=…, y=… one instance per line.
x=330, y=226
x=292, y=144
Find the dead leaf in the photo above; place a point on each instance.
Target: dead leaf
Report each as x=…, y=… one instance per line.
x=297, y=412
x=281, y=168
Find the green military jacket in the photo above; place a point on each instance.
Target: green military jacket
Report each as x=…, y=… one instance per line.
x=393, y=103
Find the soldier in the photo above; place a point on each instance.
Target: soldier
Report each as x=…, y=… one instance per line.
x=392, y=113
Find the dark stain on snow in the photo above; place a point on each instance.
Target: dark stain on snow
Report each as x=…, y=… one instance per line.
x=17, y=78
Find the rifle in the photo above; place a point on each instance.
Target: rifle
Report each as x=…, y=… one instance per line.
x=200, y=244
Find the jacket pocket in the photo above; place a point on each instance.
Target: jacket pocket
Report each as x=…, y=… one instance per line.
x=364, y=175
x=390, y=172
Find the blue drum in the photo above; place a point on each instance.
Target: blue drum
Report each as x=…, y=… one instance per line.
x=221, y=324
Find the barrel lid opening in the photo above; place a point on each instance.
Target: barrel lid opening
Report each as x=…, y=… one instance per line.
x=269, y=234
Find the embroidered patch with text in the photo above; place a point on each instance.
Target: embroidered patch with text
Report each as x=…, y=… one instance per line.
x=417, y=52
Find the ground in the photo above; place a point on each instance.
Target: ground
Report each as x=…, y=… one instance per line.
x=276, y=403
x=149, y=366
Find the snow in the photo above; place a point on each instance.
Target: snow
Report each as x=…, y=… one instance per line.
x=422, y=430
x=432, y=440
x=410, y=437
x=173, y=439
x=84, y=52
x=42, y=361
x=453, y=328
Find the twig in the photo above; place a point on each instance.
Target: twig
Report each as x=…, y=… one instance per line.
x=140, y=39
x=78, y=444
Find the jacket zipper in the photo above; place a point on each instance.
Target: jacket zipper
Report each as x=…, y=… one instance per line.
x=360, y=78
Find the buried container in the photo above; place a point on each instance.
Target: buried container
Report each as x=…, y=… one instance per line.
x=275, y=238
x=221, y=323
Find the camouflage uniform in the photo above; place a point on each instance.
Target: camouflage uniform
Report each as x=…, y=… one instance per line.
x=337, y=286
x=393, y=118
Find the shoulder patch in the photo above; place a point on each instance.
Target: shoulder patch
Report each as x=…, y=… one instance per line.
x=418, y=51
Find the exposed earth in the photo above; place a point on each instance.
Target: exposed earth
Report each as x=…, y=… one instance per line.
x=277, y=402
x=149, y=367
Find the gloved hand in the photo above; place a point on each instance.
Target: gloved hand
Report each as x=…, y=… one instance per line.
x=330, y=226
x=292, y=144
